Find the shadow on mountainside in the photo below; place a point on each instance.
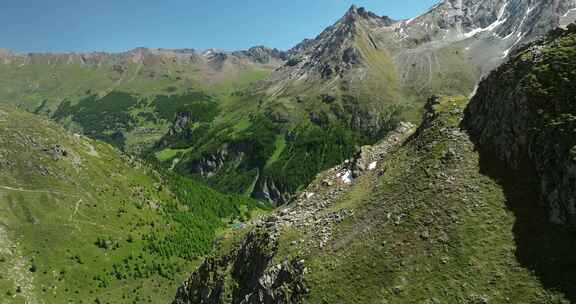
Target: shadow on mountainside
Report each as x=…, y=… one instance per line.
x=547, y=249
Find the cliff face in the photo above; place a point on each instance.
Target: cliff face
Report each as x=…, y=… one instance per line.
x=525, y=114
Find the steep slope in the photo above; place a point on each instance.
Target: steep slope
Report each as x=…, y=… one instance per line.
x=476, y=33
x=406, y=221
x=80, y=222
x=340, y=57
x=524, y=113
x=287, y=130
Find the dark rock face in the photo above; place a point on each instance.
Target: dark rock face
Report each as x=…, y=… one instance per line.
x=268, y=191
x=525, y=114
x=180, y=123
x=246, y=276
x=262, y=54
x=230, y=157
x=208, y=165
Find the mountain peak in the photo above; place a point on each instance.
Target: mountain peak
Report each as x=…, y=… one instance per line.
x=355, y=12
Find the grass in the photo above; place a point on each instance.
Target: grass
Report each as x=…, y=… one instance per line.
x=382, y=78
x=240, y=82
x=95, y=225
x=280, y=145
x=421, y=229
x=168, y=154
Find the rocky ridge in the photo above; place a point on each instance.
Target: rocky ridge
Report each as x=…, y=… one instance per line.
x=254, y=55
x=307, y=210
x=261, y=279
x=410, y=228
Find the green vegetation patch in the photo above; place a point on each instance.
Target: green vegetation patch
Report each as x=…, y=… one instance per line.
x=101, y=118
x=200, y=106
x=196, y=218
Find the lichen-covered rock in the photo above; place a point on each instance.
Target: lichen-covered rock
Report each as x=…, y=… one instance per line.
x=525, y=113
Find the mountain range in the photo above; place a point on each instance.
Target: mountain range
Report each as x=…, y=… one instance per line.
x=402, y=155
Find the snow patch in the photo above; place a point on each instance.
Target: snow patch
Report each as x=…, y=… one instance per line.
x=499, y=21
x=372, y=166
x=569, y=12
x=474, y=92
x=347, y=177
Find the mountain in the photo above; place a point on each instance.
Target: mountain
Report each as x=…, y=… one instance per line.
x=127, y=86
x=485, y=31
x=482, y=187
x=82, y=222
x=120, y=195
x=263, y=122
x=466, y=37
x=358, y=78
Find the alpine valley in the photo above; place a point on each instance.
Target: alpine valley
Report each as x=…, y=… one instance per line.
x=428, y=160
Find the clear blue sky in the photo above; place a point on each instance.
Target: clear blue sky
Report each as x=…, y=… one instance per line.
x=119, y=25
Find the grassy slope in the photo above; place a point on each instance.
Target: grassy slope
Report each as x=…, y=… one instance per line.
x=94, y=225
x=433, y=229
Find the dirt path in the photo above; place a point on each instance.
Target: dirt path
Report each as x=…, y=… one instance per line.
x=34, y=191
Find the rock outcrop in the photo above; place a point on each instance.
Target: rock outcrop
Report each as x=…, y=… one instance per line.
x=246, y=276
x=525, y=114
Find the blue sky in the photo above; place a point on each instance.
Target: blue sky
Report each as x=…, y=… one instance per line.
x=119, y=25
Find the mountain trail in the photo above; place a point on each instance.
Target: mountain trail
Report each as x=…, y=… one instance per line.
x=34, y=191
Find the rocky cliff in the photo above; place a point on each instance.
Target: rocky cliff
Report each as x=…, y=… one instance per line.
x=245, y=276
x=524, y=113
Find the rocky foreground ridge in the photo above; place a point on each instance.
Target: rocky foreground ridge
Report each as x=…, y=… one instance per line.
x=409, y=219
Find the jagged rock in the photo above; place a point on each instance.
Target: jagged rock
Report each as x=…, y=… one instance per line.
x=268, y=191
x=180, y=123
x=262, y=54
x=293, y=61
x=256, y=280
